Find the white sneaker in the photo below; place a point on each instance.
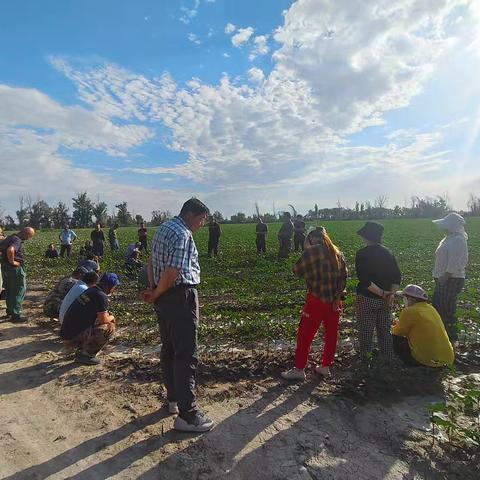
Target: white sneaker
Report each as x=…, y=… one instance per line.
x=172, y=408
x=294, y=374
x=199, y=423
x=323, y=371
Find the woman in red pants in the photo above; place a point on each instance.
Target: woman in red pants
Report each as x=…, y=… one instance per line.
x=323, y=267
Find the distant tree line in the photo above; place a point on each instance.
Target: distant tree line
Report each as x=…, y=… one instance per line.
x=86, y=212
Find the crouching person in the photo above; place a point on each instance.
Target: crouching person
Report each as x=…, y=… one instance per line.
x=419, y=336
x=87, y=325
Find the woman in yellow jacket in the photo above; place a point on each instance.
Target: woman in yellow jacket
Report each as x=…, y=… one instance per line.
x=419, y=336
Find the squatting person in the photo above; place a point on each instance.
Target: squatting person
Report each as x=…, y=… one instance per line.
x=174, y=270
x=322, y=265
x=419, y=337
x=87, y=325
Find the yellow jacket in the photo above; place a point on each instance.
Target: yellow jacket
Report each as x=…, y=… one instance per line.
x=428, y=340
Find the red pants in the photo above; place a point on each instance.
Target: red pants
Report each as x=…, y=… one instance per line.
x=314, y=313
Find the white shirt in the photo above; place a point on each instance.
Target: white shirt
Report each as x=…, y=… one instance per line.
x=71, y=296
x=451, y=256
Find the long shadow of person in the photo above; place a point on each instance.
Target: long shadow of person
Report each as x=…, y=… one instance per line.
x=221, y=447
x=91, y=447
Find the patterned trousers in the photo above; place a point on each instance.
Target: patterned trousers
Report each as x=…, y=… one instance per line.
x=92, y=340
x=445, y=302
x=374, y=313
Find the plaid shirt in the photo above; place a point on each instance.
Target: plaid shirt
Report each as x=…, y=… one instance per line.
x=173, y=246
x=323, y=276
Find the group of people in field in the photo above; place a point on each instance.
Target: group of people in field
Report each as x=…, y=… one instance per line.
x=422, y=336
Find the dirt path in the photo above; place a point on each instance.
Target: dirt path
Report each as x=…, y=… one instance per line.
x=59, y=421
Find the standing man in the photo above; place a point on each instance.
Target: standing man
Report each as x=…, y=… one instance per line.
x=112, y=237
x=299, y=233
x=67, y=237
x=214, y=233
x=143, y=238
x=98, y=238
x=285, y=236
x=174, y=271
x=15, y=277
x=261, y=230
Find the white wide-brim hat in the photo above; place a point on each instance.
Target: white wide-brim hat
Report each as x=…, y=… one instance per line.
x=414, y=291
x=453, y=222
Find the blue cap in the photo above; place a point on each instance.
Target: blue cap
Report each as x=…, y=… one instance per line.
x=109, y=280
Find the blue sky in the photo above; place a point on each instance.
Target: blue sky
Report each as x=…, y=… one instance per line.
x=303, y=102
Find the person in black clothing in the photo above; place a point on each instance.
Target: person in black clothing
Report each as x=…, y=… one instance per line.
x=98, y=239
x=261, y=230
x=143, y=238
x=299, y=233
x=51, y=251
x=378, y=279
x=214, y=233
x=285, y=236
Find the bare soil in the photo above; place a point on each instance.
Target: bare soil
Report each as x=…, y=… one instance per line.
x=59, y=420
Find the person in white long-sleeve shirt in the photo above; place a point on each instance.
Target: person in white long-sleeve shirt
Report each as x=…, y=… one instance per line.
x=451, y=259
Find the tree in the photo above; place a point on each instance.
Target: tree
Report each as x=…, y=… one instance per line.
x=218, y=216
x=139, y=219
x=474, y=204
x=40, y=215
x=158, y=217
x=23, y=213
x=100, y=212
x=82, y=210
x=10, y=223
x=124, y=217
x=238, y=218
x=60, y=216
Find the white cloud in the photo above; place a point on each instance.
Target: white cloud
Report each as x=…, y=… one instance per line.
x=261, y=46
x=193, y=38
x=255, y=75
x=242, y=36
x=230, y=28
x=188, y=14
x=339, y=67
x=226, y=55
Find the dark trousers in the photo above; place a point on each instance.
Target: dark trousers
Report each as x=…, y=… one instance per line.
x=213, y=246
x=65, y=248
x=114, y=245
x=445, y=302
x=403, y=352
x=143, y=244
x=261, y=244
x=15, y=288
x=298, y=241
x=177, y=313
x=285, y=247
x=98, y=248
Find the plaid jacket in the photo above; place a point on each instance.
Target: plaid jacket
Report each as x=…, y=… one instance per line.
x=173, y=246
x=323, y=276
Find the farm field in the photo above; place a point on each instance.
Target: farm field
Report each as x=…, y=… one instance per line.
x=106, y=421
x=247, y=299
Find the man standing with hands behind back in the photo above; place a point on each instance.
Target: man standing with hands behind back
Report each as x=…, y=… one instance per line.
x=174, y=273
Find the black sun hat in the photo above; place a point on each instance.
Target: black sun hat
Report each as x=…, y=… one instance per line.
x=372, y=231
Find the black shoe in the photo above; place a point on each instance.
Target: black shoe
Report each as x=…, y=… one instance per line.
x=18, y=319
